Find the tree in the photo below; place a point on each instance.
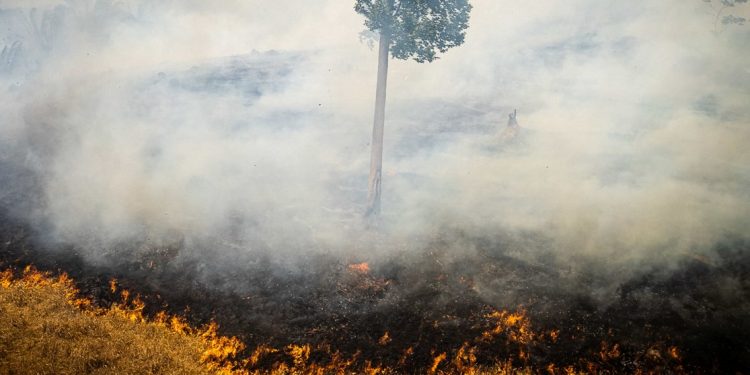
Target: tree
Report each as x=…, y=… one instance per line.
x=726, y=19
x=417, y=29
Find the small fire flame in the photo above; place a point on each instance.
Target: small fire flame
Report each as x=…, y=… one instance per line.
x=674, y=353
x=465, y=360
x=516, y=325
x=360, y=267
x=609, y=352
x=436, y=362
x=385, y=339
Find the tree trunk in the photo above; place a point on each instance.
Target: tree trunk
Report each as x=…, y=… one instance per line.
x=376, y=154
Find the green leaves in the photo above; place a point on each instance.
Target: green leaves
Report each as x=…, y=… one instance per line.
x=418, y=29
x=731, y=19
x=731, y=3
x=725, y=19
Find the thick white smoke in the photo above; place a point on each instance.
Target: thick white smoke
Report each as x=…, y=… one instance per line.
x=139, y=123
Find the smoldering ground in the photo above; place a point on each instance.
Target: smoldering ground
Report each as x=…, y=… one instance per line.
x=134, y=126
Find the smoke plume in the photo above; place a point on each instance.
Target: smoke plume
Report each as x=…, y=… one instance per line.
x=246, y=125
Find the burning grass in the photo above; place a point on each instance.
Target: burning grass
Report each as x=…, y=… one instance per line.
x=421, y=314
x=48, y=329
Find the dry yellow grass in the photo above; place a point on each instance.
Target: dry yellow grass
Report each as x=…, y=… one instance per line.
x=44, y=329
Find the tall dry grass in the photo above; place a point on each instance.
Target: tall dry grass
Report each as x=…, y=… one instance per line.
x=46, y=329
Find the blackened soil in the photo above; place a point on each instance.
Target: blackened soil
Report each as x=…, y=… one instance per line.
x=694, y=317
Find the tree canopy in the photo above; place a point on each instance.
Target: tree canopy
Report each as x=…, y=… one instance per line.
x=418, y=29
x=728, y=19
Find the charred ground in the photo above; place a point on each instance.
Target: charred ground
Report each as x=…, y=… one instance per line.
x=693, y=317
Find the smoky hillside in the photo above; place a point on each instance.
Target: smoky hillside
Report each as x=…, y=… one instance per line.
x=215, y=159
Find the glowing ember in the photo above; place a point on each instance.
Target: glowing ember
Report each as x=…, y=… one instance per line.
x=360, y=267
x=674, y=352
x=385, y=339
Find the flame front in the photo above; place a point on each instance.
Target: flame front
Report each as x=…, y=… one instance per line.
x=220, y=352
x=510, y=331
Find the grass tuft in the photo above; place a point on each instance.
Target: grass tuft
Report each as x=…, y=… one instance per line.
x=46, y=329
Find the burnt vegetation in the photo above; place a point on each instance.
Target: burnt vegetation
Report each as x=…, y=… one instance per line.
x=430, y=309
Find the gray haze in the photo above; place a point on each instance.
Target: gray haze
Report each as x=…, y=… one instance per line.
x=247, y=123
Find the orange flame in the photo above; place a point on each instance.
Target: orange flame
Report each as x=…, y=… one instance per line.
x=6, y=278
x=674, y=352
x=299, y=353
x=465, y=360
x=405, y=356
x=608, y=352
x=219, y=353
x=260, y=352
x=360, y=267
x=516, y=325
x=385, y=339
x=436, y=362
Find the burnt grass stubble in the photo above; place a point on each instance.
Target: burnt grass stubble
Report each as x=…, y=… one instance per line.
x=428, y=302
